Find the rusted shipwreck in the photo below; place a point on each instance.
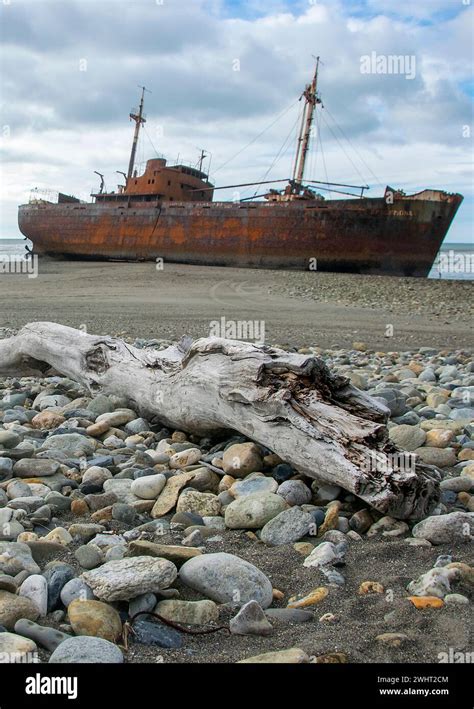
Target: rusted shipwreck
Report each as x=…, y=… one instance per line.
x=169, y=212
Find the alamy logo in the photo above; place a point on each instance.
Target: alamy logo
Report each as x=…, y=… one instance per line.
x=456, y=657
x=398, y=65
x=238, y=330
x=37, y=684
x=456, y=262
x=24, y=265
x=378, y=462
x=16, y=657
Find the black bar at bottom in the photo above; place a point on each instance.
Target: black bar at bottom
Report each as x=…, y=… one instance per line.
x=312, y=685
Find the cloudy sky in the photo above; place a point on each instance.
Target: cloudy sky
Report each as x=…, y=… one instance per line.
x=222, y=72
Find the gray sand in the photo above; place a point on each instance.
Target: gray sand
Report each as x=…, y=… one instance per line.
x=298, y=308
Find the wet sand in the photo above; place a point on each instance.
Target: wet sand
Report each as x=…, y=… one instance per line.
x=297, y=308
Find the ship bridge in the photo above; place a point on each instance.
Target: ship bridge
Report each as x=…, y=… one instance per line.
x=174, y=183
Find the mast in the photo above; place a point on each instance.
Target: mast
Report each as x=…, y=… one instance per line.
x=201, y=159
x=139, y=119
x=311, y=100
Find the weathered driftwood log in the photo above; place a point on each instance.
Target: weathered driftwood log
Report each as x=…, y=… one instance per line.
x=291, y=403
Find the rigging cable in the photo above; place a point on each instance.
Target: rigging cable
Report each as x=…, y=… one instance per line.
x=316, y=149
x=152, y=145
x=282, y=148
x=255, y=138
x=322, y=150
x=355, y=150
x=344, y=150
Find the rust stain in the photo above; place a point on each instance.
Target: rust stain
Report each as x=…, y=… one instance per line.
x=342, y=235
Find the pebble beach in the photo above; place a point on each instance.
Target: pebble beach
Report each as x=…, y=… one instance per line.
x=225, y=552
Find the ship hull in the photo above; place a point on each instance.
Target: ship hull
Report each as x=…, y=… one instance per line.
x=359, y=236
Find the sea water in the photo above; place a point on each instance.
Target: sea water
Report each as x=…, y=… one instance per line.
x=14, y=247
x=454, y=261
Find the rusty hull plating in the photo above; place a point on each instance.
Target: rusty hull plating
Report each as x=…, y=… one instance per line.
x=359, y=235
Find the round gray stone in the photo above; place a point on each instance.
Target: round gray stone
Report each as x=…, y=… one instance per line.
x=35, y=467
x=393, y=399
x=89, y=556
x=9, y=439
x=462, y=483
x=86, y=649
x=74, y=445
x=253, y=511
x=227, y=578
x=253, y=483
x=445, y=529
x=295, y=492
x=17, y=488
x=76, y=589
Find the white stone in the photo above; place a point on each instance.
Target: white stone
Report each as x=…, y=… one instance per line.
x=35, y=588
x=322, y=555
x=190, y=456
x=435, y=582
x=148, y=487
